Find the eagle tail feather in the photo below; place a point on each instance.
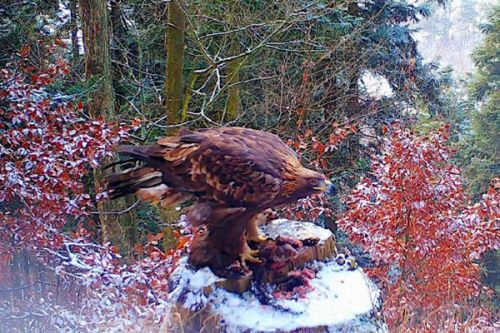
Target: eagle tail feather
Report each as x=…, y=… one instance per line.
x=137, y=152
x=132, y=180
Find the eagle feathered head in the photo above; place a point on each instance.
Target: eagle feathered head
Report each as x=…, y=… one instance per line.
x=302, y=182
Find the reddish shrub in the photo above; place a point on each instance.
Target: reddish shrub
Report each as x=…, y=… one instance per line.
x=47, y=146
x=412, y=215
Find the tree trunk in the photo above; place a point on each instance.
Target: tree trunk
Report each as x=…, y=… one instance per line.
x=232, y=108
x=119, y=53
x=116, y=227
x=74, y=31
x=174, y=44
x=233, y=102
x=175, y=58
x=94, y=16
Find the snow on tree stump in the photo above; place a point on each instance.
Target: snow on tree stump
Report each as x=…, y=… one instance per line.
x=301, y=286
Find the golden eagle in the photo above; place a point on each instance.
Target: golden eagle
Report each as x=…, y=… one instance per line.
x=230, y=174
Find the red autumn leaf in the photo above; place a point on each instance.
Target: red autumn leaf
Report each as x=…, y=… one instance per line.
x=139, y=248
x=24, y=52
x=182, y=242
x=136, y=122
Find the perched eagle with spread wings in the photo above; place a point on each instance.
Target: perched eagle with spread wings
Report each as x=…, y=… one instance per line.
x=230, y=175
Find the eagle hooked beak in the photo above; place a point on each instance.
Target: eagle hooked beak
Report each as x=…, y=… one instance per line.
x=327, y=187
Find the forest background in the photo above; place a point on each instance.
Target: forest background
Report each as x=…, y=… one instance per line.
x=343, y=82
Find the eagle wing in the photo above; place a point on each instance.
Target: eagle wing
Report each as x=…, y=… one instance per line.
x=235, y=166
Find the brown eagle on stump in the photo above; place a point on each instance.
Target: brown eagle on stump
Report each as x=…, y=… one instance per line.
x=230, y=174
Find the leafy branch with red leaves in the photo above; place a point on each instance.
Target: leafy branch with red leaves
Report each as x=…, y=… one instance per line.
x=46, y=148
x=412, y=216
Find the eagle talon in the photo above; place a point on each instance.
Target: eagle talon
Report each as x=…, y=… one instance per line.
x=257, y=239
x=249, y=255
x=254, y=252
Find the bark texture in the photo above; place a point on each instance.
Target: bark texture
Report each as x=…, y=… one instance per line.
x=96, y=34
x=233, y=103
x=175, y=45
x=117, y=223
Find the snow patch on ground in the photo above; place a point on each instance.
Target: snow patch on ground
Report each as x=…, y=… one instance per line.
x=295, y=229
x=190, y=285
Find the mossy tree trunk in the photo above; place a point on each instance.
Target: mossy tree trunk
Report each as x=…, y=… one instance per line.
x=174, y=45
x=232, y=109
x=96, y=34
x=119, y=53
x=233, y=102
x=119, y=57
x=116, y=228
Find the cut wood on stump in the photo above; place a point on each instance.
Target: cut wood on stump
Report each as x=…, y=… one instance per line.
x=302, y=285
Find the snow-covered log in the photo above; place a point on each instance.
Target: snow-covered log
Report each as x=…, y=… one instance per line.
x=314, y=290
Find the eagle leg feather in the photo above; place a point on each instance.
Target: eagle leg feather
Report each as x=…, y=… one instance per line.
x=253, y=234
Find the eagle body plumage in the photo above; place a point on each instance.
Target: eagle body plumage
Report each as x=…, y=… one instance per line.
x=230, y=174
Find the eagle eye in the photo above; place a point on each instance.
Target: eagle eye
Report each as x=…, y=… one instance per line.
x=314, y=181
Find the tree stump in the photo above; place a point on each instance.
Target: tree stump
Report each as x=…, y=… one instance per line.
x=303, y=285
